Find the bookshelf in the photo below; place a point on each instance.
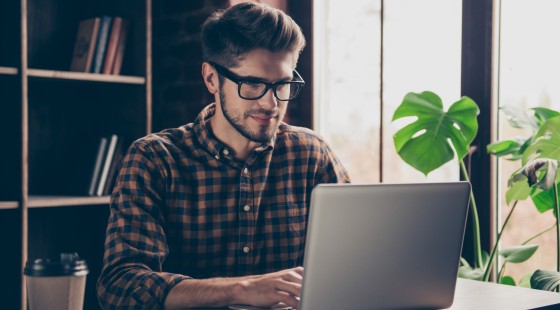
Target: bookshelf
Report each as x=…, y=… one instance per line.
x=79, y=76
x=8, y=71
x=52, y=120
x=8, y=205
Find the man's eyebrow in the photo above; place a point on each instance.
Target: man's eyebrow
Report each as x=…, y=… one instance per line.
x=252, y=78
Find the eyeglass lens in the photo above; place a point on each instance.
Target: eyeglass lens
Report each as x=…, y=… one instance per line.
x=283, y=91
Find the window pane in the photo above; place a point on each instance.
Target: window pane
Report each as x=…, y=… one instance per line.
x=528, y=76
x=347, y=58
x=422, y=52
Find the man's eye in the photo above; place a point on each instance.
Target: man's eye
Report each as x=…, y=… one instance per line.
x=252, y=85
x=282, y=86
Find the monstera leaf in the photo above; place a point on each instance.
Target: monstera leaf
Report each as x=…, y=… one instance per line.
x=546, y=143
x=428, y=142
x=512, y=147
x=543, y=114
x=518, y=118
x=544, y=200
x=546, y=280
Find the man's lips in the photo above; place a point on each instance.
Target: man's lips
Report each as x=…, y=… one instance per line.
x=263, y=119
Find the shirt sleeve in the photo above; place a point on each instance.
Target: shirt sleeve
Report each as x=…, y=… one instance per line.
x=332, y=170
x=135, y=242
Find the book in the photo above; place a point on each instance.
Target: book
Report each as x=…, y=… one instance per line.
x=116, y=70
x=106, y=164
x=112, y=45
x=97, y=167
x=114, y=169
x=84, y=47
x=102, y=36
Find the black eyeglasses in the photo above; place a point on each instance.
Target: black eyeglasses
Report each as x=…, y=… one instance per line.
x=253, y=89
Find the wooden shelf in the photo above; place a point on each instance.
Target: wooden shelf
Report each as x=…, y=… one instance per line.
x=8, y=70
x=80, y=76
x=64, y=201
x=58, y=118
x=4, y=205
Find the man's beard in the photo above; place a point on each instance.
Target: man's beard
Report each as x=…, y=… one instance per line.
x=261, y=136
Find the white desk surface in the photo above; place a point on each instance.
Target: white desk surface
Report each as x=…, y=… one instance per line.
x=478, y=295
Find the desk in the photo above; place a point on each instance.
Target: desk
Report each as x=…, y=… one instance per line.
x=470, y=294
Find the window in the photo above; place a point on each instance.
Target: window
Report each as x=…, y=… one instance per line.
x=418, y=54
x=529, y=62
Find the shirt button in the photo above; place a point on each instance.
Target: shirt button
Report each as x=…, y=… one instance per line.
x=226, y=152
x=246, y=208
x=246, y=249
x=246, y=171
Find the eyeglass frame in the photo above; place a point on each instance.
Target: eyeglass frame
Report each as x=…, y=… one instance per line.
x=241, y=80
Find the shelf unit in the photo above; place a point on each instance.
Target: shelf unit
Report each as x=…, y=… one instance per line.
x=52, y=120
x=8, y=71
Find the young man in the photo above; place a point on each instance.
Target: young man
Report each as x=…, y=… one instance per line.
x=214, y=213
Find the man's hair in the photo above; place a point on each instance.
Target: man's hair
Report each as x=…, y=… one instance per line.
x=228, y=34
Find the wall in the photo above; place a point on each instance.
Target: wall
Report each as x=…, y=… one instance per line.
x=179, y=92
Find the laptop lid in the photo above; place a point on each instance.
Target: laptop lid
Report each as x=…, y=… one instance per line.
x=385, y=246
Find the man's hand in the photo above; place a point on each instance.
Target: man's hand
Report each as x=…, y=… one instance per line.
x=270, y=289
x=262, y=291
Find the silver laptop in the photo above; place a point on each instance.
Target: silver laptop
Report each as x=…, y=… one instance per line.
x=384, y=246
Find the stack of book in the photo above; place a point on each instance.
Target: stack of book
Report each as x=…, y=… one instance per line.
x=100, y=44
x=107, y=164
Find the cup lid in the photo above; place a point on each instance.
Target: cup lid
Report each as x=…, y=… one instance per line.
x=65, y=264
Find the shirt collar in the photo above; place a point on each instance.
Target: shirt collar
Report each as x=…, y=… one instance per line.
x=214, y=146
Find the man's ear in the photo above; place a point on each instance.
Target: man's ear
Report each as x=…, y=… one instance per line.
x=210, y=77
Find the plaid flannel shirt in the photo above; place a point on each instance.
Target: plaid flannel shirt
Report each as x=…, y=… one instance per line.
x=184, y=208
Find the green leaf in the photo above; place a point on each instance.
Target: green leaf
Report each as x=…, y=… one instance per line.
x=507, y=280
x=525, y=281
x=464, y=262
x=544, y=200
x=506, y=147
x=467, y=272
x=424, y=143
x=525, y=145
x=546, y=280
x=518, y=188
x=518, y=118
x=543, y=114
x=519, y=253
x=546, y=142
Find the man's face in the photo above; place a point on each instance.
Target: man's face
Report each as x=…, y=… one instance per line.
x=256, y=120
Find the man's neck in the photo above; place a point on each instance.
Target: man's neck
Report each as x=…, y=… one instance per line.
x=240, y=146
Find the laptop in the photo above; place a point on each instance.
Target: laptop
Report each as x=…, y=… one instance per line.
x=384, y=246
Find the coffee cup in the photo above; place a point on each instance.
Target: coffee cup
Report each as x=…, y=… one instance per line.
x=56, y=283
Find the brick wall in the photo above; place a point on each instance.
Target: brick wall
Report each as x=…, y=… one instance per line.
x=179, y=92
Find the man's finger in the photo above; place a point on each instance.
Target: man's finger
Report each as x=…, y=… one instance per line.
x=293, y=277
x=289, y=299
x=289, y=287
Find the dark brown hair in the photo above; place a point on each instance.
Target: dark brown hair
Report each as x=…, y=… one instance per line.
x=228, y=34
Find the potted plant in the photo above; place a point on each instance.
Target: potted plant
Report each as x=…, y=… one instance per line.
x=437, y=136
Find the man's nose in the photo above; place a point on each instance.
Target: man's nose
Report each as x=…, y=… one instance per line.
x=268, y=100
